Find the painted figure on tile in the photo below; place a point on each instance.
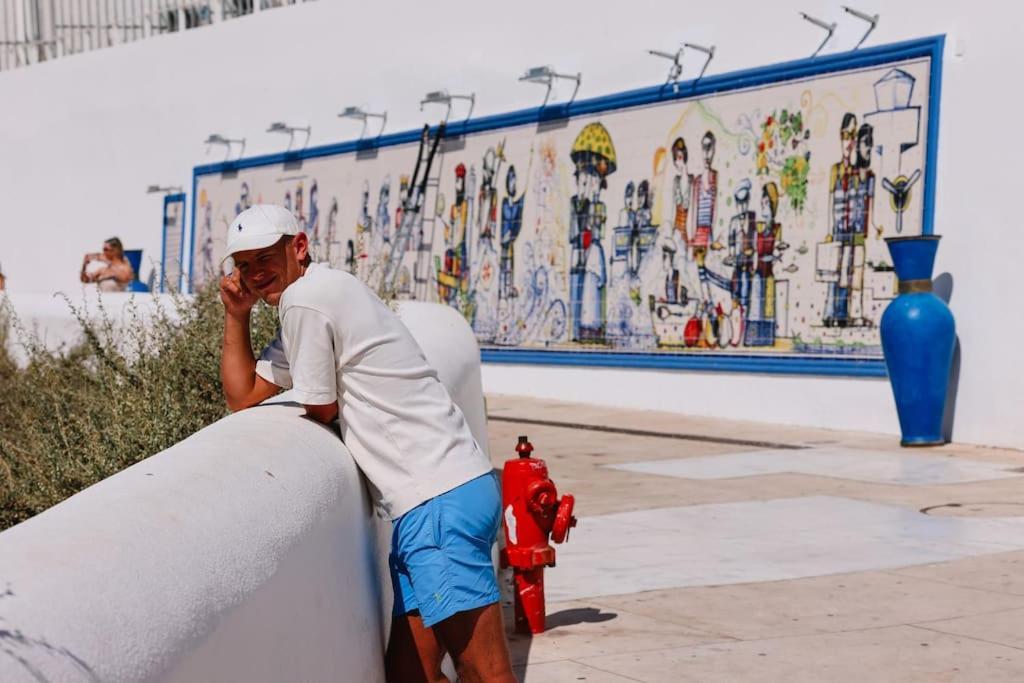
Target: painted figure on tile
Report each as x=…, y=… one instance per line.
x=579, y=237
x=403, y=201
x=862, y=220
x=595, y=277
x=643, y=231
x=487, y=202
x=382, y=230
x=485, y=268
x=300, y=214
x=838, y=248
x=331, y=236
x=594, y=158
x=471, y=212
x=628, y=321
x=671, y=310
x=313, y=223
x=627, y=214
x=511, y=224
x=760, y=321
x=674, y=292
x=742, y=252
x=364, y=236
x=702, y=215
x=350, y=257
x=682, y=182
x=243, y=200
x=451, y=279
x=624, y=236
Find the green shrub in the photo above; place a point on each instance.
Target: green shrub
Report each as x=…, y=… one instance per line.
x=71, y=418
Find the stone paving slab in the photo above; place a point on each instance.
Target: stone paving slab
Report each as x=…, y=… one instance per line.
x=828, y=604
x=900, y=654
x=881, y=467
x=925, y=620
x=1002, y=573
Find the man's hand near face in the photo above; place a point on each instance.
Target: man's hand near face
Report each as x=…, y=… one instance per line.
x=243, y=388
x=238, y=300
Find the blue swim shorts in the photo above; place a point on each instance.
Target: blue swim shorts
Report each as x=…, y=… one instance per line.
x=441, y=552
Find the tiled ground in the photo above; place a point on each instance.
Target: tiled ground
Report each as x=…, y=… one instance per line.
x=751, y=560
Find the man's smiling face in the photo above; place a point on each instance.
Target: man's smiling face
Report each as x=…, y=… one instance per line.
x=267, y=272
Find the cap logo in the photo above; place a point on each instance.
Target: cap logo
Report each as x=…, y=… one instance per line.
x=239, y=227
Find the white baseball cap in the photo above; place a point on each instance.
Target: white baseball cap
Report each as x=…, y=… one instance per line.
x=259, y=227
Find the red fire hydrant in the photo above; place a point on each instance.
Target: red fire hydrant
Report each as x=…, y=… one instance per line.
x=531, y=510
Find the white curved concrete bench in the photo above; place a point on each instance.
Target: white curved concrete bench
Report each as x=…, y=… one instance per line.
x=247, y=552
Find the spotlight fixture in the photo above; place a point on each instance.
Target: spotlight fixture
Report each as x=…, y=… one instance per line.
x=281, y=127
x=362, y=115
x=871, y=19
x=218, y=139
x=443, y=97
x=830, y=28
x=709, y=51
x=545, y=75
x=676, y=70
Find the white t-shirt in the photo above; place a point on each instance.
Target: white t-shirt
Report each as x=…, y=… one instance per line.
x=339, y=342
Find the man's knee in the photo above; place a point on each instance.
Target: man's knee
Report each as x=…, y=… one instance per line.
x=486, y=669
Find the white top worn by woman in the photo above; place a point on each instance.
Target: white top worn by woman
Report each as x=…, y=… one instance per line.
x=339, y=342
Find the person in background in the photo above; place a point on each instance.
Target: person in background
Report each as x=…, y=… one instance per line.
x=110, y=270
x=3, y=280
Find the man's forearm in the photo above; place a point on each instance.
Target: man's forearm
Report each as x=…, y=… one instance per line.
x=237, y=365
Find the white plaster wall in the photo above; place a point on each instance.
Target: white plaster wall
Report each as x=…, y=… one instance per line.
x=50, y=320
x=247, y=552
x=81, y=138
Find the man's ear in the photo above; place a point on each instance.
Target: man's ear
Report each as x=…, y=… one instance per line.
x=301, y=245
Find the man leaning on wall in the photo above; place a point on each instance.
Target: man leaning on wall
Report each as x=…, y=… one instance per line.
x=344, y=354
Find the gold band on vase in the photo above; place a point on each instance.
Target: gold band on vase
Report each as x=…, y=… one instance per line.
x=914, y=286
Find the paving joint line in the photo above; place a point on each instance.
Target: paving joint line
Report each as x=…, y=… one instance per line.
x=923, y=624
x=650, y=433
x=613, y=673
x=967, y=637
x=955, y=584
x=710, y=633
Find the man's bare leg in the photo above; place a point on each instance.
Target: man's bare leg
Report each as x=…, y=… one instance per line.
x=476, y=641
x=414, y=652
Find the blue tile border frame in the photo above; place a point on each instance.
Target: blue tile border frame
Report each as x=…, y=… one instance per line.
x=931, y=48
x=178, y=198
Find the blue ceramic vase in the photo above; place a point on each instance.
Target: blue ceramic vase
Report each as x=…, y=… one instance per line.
x=918, y=334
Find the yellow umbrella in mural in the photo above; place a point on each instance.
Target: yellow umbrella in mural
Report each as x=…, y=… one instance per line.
x=593, y=147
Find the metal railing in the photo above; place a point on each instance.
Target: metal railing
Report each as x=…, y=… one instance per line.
x=33, y=31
